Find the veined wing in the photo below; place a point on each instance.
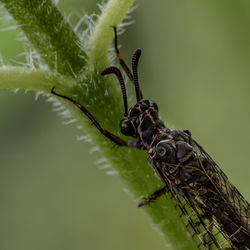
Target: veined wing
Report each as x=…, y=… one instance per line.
x=204, y=231
x=233, y=202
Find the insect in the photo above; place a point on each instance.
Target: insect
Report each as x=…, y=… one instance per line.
x=213, y=210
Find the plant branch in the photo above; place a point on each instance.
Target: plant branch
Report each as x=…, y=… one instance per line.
x=57, y=44
x=99, y=42
x=27, y=78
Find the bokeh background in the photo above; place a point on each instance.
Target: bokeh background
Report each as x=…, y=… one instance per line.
x=195, y=64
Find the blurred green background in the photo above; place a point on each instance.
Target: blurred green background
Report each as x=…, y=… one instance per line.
x=195, y=64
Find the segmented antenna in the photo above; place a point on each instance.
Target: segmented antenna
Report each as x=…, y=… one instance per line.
x=135, y=60
x=117, y=72
x=133, y=77
x=121, y=61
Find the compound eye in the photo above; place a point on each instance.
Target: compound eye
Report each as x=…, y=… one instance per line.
x=127, y=127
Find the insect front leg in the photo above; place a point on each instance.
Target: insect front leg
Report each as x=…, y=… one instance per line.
x=158, y=193
x=117, y=140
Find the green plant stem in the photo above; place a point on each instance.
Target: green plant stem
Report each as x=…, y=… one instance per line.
x=27, y=78
x=112, y=15
x=130, y=164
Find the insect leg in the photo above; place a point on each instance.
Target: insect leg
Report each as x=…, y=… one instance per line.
x=117, y=140
x=153, y=196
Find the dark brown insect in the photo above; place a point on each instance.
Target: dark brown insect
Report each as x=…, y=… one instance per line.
x=213, y=210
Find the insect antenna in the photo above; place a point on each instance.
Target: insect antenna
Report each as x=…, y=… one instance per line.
x=117, y=72
x=135, y=60
x=124, y=65
x=121, y=61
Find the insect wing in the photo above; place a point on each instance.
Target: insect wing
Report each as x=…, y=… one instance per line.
x=232, y=199
x=205, y=234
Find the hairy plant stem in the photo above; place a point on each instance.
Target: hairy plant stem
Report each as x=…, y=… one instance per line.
x=76, y=73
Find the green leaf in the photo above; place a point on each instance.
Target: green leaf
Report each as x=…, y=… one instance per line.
x=49, y=33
